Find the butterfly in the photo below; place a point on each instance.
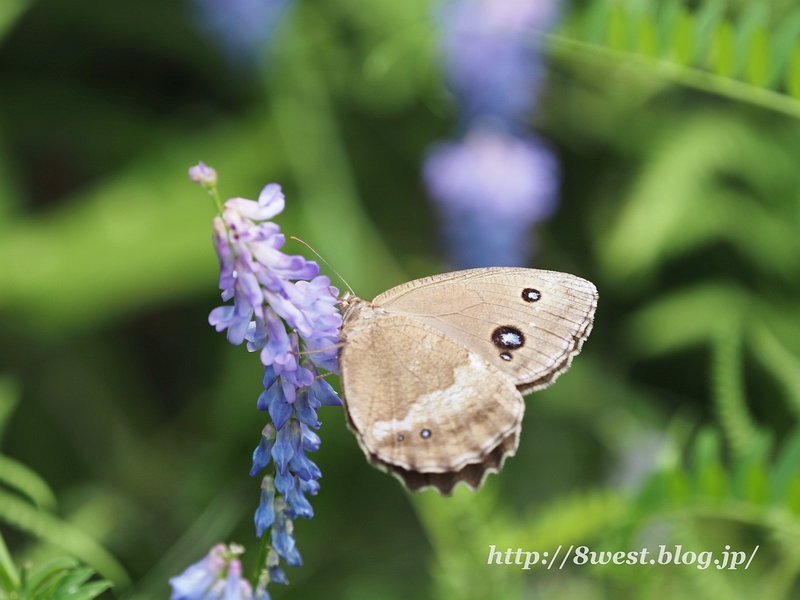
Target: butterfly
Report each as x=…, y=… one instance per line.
x=433, y=370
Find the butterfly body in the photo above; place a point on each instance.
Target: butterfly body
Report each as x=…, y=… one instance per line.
x=433, y=370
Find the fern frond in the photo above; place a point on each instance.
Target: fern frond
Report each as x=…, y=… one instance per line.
x=687, y=318
x=728, y=390
x=745, y=60
x=780, y=362
x=678, y=202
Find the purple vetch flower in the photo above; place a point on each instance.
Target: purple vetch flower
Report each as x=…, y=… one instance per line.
x=204, y=175
x=491, y=63
x=218, y=576
x=241, y=26
x=489, y=190
x=289, y=314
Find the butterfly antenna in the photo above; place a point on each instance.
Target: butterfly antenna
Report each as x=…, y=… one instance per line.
x=325, y=261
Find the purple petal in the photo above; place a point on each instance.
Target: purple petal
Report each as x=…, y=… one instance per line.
x=324, y=393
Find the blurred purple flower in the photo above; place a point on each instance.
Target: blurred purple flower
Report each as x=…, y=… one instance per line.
x=489, y=54
x=242, y=26
x=490, y=189
x=203, y=174
x=218, y=575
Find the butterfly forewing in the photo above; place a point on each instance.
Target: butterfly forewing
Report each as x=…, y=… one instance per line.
x=525, y=322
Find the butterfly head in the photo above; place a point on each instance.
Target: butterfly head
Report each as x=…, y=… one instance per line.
x=349, y=301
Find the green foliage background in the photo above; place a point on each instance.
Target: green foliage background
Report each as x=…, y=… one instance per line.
x=127, y=423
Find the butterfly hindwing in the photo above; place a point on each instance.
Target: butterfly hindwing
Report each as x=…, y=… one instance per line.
x=423, y=405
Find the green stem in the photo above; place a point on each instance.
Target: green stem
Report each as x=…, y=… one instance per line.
x=215, y=196
x=9, y=578
x=261, y=559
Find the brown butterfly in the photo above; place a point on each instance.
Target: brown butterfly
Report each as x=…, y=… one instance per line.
x=433, y=371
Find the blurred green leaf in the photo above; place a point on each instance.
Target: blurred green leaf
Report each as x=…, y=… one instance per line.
x=19, y=477
x=759, y=58
x=723, y=49
x=339, y=228
x=787, y=466
x=10, y=11
x=137, y=239
x=9, y=398
x=710, y=477
x=63, y=579
x=9, y=578
x=783, y=46
x=683, y=41
x=23, y=516
x=709, y=16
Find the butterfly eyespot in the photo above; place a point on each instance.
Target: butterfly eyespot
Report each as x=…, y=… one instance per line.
x=508, y=338
x=426, y=433
x=531, y=295
x=505, y=356
x=400, y=438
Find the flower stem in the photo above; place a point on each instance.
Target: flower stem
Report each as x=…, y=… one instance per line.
x=215, y=196
x=261, y=559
